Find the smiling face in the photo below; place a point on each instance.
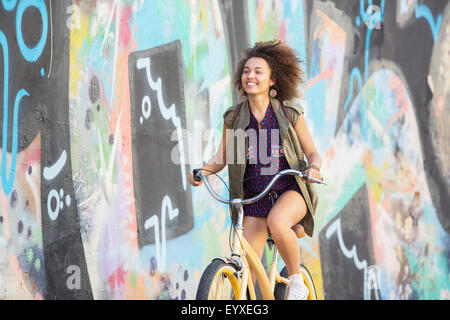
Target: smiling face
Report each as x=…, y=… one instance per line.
x=256, y=77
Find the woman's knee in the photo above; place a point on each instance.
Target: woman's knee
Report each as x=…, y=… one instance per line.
x=289, y=209
x=277, y=225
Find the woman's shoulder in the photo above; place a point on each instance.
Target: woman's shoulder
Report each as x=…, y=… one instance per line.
x=230, y=110
x=229, y=115
x=293, y=106
x=293, y=110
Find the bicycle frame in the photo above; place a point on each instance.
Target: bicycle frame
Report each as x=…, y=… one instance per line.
x=243, y=250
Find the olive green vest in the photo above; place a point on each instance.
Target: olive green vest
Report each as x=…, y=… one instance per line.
x=292, y=150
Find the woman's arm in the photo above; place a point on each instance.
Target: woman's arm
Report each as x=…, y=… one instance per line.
x=313, y=157
x=217, y=162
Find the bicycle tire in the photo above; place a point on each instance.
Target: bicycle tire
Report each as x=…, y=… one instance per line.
x=211, y=286
x=281, y=288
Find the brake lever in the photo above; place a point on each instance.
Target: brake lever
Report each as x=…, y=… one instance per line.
x=304, y=176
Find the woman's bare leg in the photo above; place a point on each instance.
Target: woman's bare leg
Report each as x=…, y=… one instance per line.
x=255, y=232
x=299, y=231
x=289, y=209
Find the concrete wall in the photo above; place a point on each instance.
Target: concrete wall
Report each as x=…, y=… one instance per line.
x=96, y=95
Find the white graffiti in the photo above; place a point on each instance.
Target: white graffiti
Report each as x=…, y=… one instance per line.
x=167, y=113
x=50, y=173
x=153, y=221
x=51, y=40
x=54, y=196
x=146, y=109
x=371, y=273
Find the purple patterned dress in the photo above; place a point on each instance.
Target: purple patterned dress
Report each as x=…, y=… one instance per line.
x=260, y=164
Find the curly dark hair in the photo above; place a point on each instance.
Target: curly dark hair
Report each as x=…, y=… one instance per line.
x=284, y=64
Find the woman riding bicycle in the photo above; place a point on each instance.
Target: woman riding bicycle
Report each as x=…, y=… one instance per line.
x=268, y=77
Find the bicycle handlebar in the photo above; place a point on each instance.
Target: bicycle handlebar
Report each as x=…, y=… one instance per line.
x=199, y=176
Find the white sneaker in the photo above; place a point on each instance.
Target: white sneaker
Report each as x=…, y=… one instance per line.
x=297, y=289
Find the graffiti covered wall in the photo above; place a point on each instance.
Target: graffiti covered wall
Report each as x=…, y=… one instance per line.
x=108, y=104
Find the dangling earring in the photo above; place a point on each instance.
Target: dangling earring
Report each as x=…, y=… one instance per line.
x=273, y=92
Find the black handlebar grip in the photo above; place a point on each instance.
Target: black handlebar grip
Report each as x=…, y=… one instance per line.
x=196, y=175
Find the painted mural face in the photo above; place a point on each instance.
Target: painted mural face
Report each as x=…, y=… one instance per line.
x=256, y=77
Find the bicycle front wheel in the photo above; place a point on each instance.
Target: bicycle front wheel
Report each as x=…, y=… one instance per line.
x=219, y=281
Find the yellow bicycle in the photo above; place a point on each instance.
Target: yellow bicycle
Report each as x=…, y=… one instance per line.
x=229, y=278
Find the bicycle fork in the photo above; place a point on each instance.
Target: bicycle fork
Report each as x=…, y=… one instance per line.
x=273, y=269
x=237, y=256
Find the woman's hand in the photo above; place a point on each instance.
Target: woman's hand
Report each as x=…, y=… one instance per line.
x=313, y=173
x=192, y=180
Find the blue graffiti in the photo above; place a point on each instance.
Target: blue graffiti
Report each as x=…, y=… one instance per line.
x=9, y=4
x=366, y=16
x=32, y=54
x=422, y=11
x=356, y=73
x=8, y=182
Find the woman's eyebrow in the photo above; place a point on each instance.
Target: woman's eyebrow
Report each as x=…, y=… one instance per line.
x=254, y=68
